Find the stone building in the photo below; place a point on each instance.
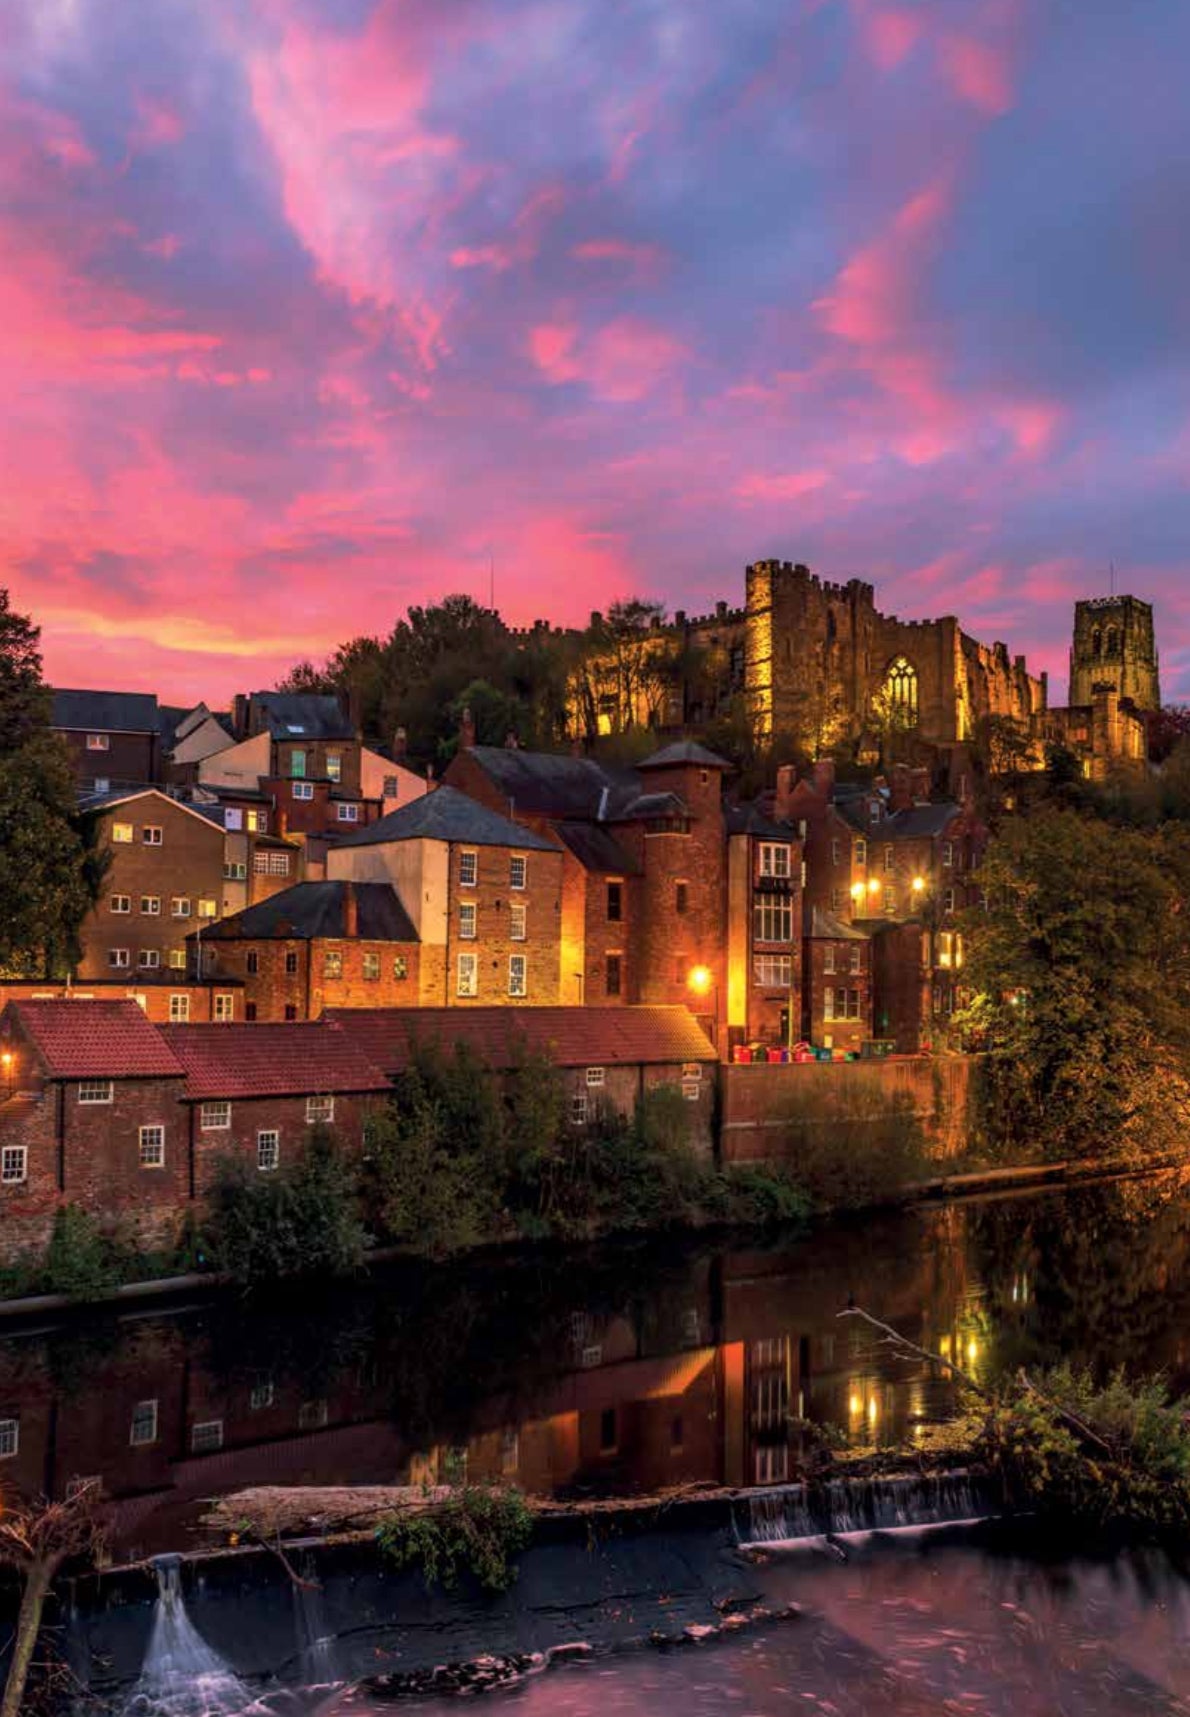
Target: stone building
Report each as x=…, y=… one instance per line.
x=483, y=894
x=1114, y=647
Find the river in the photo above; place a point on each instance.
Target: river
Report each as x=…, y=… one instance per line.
x=630, y=1367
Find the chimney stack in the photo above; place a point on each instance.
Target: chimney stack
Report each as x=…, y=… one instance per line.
x=239, y=715
x=919, y=784
x=823, y=775
x=467, y=731
x=350, y=910
x=400, y=745
x=786, y=782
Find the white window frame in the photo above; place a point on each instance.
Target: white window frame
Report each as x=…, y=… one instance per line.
x=857, y=963
x=119, y=959
x=223, y=1007
x=334, y=766
x=303, y=790
x=10, y=1438
x=370, y=966
x=152, y=835
x=518, y=871
x=890, y=860
x=99, y=742
x=206, y=1436
x=467, y=985
x=121, y=904
x=14, y=1165
x=179, y=906
x=596, y=1078
x=123, y=834
x=268, y=1149
x=518, y=921
x=215, y=1116
x=146, y=1144
x=179, y=1010
x=773, y=971
x=346, y=813
x=828, y=959
x=861, y=850
x=468, y=868
x=776, y=859
x=146, y=1410
x=468, y=921
x=208, y=908
x=150, y=905
x=262, y=1396
x=828, y=1002
x=148, y=959
x=92, y=1091
x=947, y=855
x=578, y=1109
x=319, y=1109
x=772, y=919
x=518, y=975
x=177, y=959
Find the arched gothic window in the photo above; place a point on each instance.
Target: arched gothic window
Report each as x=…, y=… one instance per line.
x=1113, y=641
x=900, y=691
x=1096, y=642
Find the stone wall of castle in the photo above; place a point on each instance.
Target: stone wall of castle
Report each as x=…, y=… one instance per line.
x=1114, y=646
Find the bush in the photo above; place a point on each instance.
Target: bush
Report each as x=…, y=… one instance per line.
x=80, y=1259
x=1116, y=1455
x=849, y=1161
x=476, y=1531
x=301, y=1221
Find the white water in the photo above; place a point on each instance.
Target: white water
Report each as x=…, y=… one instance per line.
x=852, y=1509
x=182, y=1676
x=315, y=1639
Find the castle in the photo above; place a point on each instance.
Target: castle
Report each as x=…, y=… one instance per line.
x=819, y=664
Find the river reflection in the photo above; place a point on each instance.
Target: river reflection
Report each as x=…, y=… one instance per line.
x=614, y=1371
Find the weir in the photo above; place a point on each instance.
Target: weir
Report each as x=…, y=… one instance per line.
x=808, y=1515
x=182, y=1676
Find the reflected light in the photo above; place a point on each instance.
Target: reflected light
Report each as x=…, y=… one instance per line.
x=873, y=1410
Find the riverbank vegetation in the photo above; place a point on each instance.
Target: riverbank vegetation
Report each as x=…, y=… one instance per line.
x=1080, y=970
x=475, y=1531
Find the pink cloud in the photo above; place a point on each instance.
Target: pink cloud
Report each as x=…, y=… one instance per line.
x=890, y=34
x=780, y=486
x=623, y=361
x=158, y=124
x=977, y=72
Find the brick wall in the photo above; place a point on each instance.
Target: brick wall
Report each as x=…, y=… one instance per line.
x=623, y=1086
x=758, y=1101
x=286, y=1115
x=309, y=989
x=186, y=866
x=836, y=1033
x=154, y=998
x=670, y=940
x=130, y=757
x=492, y=896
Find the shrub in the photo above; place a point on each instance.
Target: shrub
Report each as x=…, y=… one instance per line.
x=303, y=1220
x=1107, y=1456
x=476, y=1531
x=80, y=1260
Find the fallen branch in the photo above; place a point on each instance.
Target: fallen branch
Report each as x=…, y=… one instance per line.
x=895, y=1339
x=1072, y=1421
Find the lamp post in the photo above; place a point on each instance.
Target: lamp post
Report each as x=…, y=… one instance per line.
x=701, y=983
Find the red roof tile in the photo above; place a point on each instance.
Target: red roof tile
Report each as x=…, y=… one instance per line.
x=291, y=1060
x=95, y=1040
x=570, y=1036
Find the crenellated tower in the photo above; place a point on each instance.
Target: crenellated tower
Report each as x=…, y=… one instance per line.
x=1114, y=647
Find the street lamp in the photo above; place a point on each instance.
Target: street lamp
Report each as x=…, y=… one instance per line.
x=6, y=1071
x=701, y=983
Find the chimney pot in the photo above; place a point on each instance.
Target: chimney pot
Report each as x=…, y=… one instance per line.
x=400, y=745
x=786, y=782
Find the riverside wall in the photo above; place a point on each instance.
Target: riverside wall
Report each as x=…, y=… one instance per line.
x=763, y=1107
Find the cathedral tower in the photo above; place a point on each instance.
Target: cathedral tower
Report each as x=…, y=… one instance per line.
x=1114, y=647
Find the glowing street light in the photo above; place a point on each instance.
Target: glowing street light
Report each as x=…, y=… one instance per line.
x=873, y=885
x=857, y=891
x=919, y=883
x=700, y=980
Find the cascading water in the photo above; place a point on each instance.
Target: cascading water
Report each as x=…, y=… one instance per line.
x=842, y=1508
x=315, y=1638
x=182, y=1676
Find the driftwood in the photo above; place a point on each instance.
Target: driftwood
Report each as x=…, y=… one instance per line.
x=36, y=1539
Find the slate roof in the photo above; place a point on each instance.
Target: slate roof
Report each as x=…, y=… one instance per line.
x=96, y=1040
x=316, y=909
x=302, y=715
x=550, y=785
x=597, y=849
x=646, y=806
x=292, y=1060
x=918, y=820
x=826, y=925
x=752, y=820
x=105, y=712
x=448, y=815
x=124, y=795
x=682, y=752
x=571, y=1036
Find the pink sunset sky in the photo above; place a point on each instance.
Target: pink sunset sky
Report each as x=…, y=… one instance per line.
x=309, y=307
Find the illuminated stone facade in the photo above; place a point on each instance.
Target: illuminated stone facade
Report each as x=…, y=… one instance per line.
x=1114, y=647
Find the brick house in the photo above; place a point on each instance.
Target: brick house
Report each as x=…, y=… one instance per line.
x=837, y=986
x=165, y=876
x=255, y=1091
x=316, y=946
x=764, y=928
x=93, y=1117
x=103, y=1109
x=311, y=770
x=483, y=894
x=604, y=1055
x=165, y=998
x=644, y=877
x=114, y=738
